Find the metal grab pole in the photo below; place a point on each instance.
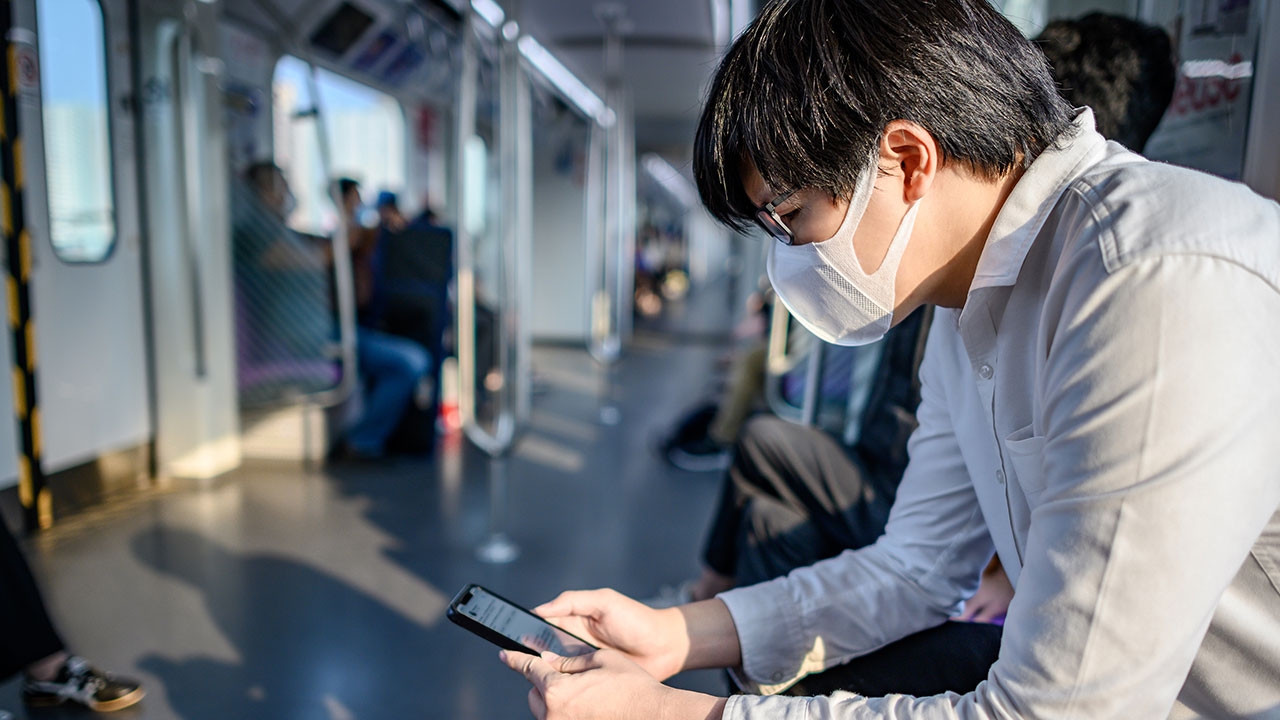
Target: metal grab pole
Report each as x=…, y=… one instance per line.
x=782, y=359
x=516, y=161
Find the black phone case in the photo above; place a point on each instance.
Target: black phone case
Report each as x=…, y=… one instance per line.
x=496, y=638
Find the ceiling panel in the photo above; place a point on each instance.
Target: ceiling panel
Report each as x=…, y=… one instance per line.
x=669, y=55
x=669, y=47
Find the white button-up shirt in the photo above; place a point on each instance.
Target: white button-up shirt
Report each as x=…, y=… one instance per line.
x=1105, y=412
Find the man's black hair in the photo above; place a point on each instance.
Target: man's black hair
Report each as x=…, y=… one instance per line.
x=1122, y=68
x=346, y=185
x=806, y=92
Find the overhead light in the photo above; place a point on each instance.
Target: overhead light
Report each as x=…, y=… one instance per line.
x=670, y=178
x=566, y=82
x=490, y=11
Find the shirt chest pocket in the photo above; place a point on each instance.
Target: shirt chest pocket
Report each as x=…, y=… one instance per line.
x=1024, y=453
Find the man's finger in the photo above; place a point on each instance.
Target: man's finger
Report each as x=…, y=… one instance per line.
x=532, y=667
x=573, y=602
x=570, y=665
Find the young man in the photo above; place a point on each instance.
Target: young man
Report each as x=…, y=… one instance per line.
x=1098, y=393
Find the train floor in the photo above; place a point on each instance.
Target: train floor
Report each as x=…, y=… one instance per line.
x=278, y=593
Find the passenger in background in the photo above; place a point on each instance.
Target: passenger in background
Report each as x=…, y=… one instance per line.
x=284, y=319
x=390, y=218
x=1123, y=69
x=29, y=644
x=391, y=367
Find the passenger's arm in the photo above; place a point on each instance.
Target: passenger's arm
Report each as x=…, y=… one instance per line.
x=1158, y=476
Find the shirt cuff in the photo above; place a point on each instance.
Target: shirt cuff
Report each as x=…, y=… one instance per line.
x=754, y=707
x=770, y=634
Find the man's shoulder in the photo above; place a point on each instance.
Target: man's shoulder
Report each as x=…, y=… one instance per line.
x=1141, y=210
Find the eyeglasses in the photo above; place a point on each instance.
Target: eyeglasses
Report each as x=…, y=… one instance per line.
x=768, y=219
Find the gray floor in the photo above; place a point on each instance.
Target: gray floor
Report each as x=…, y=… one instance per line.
x=283, y=594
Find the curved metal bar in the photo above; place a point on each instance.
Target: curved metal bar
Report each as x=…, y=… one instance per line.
x=516, y=162
x=190, y=99
x=602, y=343
x=344, y=281
x=340, y=245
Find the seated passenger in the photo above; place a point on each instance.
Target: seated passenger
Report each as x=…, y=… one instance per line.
x=1075, y=415
x=391, y=367
x=284, y=322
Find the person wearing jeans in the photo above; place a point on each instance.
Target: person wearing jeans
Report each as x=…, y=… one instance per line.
x=392, y=368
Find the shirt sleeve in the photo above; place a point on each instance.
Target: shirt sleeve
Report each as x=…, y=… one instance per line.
x=913, y=578
x=1158, y=476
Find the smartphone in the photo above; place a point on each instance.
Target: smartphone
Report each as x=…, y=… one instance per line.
x=510, y=626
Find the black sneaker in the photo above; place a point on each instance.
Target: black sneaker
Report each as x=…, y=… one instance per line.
x=701, y=455
x=78, y=681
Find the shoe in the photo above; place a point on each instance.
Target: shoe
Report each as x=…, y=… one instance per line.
x=701, y=455
x=670, y=596
x=78, y=681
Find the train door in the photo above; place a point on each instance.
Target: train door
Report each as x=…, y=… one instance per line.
x=188, y=237
x=75, y=113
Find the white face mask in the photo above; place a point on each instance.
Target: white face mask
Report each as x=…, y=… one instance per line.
x=823, y=283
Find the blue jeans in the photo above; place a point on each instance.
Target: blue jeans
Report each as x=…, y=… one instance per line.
x=391, y=367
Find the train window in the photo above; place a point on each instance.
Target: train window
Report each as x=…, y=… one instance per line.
x=367, y=134
x=77, y=148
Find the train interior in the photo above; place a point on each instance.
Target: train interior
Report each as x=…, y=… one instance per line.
x=183, y=378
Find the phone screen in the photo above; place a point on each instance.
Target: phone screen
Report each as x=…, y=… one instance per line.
x=520, y=625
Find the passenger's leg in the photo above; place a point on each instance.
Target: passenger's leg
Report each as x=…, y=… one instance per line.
x=28, y=633
x=793, y=496
x=953, y=657
x=393, y=366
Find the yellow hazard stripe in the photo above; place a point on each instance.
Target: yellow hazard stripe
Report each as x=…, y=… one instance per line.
x=24, y=251
x=13, y=302
x=20, y=393
x=6, y=210
x=24, y=482
x=44, y=509
x=37, y=445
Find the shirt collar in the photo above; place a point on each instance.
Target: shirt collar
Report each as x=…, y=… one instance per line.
x=1033, y=198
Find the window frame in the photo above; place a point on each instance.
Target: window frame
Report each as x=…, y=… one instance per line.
x=108, y=84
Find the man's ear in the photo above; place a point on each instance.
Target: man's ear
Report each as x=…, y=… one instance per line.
x=912, y=151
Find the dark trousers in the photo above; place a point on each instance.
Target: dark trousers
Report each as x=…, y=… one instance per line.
x=953, y=657
x=26, y=633
x=793, y=496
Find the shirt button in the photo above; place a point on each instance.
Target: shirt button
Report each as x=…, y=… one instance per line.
x=778, y=677
x=985, y=371
x=1000, y=477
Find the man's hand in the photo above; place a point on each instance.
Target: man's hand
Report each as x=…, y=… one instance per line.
x=991, y=602
x=656, y=640
x=604, y=685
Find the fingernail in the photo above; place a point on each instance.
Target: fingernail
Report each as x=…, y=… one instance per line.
x=502, y=655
